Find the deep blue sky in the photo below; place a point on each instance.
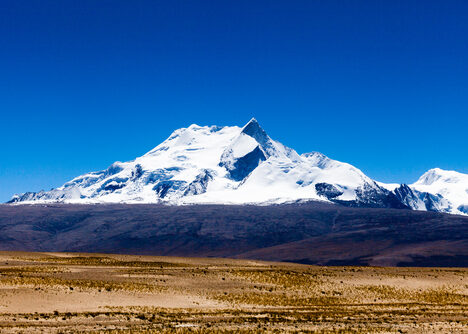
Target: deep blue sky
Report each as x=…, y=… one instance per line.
x=379, y=84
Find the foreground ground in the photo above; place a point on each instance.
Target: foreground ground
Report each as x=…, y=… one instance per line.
x=70, y=292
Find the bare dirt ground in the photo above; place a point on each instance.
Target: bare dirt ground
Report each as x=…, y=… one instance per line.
x=102, y=293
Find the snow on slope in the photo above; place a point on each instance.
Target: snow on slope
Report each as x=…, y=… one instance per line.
x=156, y=175
x=202, y=164
x=451, y=185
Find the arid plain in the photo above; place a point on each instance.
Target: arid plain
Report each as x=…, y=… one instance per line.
x=103, y=293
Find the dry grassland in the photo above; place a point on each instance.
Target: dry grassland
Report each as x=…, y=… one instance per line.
x=102, y=293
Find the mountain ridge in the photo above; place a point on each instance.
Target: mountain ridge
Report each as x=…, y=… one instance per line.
x=233, y=165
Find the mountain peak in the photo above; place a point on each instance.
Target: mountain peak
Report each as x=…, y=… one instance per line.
x=431, y=176
x=252, y=127
x=252, y=120
x=254, y=130
x=436, y=174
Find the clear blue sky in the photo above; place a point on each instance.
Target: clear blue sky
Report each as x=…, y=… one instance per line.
x=379, y=84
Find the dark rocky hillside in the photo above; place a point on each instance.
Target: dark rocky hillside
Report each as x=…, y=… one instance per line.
x=314, y=233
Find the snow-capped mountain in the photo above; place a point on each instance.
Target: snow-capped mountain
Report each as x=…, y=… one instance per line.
x=436, y=190
x=211, y=164
x=449, y=185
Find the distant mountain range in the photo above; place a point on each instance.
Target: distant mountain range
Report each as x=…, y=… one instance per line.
x=233, y=165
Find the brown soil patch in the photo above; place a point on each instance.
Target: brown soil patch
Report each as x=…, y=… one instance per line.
x=71, y=292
